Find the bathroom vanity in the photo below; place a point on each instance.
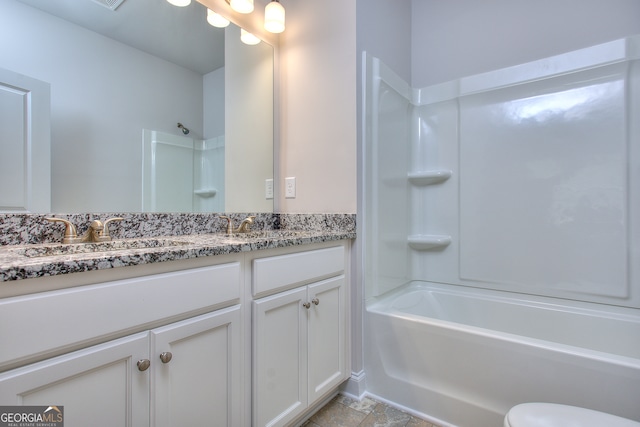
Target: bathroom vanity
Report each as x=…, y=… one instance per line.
x=249, y=337
x=300, y=331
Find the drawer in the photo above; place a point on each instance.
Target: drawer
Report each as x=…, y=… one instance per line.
x=37, y=324
x=277, y=273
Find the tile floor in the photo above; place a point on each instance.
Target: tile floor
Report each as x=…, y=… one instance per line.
x=343, y=411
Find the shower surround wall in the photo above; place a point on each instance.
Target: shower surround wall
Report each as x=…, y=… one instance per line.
x=182, y=174
x=522, y=182
x=520, y=179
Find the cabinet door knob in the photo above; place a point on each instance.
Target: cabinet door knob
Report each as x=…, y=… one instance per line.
x=166, y=357
x=316, y=301
x=143, y=364
x=306, y=305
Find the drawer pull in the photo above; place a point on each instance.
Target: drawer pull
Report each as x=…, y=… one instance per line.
x=166, y=356
x=316, y=301
x=143, y=364
x=306, y=305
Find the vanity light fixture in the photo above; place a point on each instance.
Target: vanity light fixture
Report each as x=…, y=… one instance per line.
x=248, y=38
x=216, y=19
x=180, y=3
x=274, y=17
x=241, y=6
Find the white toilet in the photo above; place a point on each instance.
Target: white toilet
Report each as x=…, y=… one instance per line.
x=554, y=415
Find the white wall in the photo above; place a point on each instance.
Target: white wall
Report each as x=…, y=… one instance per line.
x=318, y=105
x=452, y=39
x=213, y=109
x=384, y=31
x=316, y=63
x=96, y=86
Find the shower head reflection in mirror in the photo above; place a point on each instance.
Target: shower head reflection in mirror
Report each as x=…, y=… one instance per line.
x=183, y=129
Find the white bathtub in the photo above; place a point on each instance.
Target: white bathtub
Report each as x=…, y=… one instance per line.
x=464, y=356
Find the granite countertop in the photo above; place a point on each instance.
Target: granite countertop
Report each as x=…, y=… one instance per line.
x=32, y=261
x=30, y=245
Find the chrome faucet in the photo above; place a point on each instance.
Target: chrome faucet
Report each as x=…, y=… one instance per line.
x=98, y=231
x=244, y=227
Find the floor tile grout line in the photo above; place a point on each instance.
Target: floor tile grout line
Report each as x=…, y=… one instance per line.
x=344, y=411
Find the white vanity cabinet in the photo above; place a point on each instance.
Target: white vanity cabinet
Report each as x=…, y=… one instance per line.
x=250, y=339
x=98, y=386
x=113, y=383
x=187, y=372
x=299, y=334
x=200, y=384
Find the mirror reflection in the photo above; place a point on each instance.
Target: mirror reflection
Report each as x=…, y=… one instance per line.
x=152, y=109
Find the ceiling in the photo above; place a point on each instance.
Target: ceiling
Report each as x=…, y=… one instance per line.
x=177, y=34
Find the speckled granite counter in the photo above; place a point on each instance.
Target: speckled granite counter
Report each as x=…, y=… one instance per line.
x=26, y=239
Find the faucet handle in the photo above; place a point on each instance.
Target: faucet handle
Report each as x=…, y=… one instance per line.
x=70, y=232
x=105, y=228
x=229, y=224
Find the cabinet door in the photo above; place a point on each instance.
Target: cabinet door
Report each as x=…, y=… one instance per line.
x=280, y=358
x=327, y=336
x=98, y=386
x=201, y=384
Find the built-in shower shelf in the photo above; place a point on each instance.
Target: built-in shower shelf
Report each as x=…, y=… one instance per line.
x=206, y=192
x=429, y=177
x=425, y=242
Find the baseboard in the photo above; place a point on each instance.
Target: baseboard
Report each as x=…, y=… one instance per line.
x=355, y=386
x=413, y=412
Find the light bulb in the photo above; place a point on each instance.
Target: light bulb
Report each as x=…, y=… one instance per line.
x=274, y=17
x=248, y=38
x=216, y=19
x=180, y=3
x=242, y=6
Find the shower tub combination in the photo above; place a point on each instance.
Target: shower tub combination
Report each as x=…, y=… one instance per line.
x=517, y=275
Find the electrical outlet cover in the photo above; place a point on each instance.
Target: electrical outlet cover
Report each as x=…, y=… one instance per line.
x=290, y=187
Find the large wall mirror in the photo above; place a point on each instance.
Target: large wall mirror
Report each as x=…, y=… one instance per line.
x=122, y=80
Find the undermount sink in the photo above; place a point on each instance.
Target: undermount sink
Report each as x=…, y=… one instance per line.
x=269, y=234
x=79, y=248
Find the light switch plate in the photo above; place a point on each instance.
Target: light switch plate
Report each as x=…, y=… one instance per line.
x=290, y=187
x=268, y=188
